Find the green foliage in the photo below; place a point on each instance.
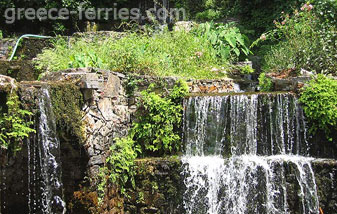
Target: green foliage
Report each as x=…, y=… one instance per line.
x=258, y=15
x=169, y=54
x=158, y=119
x=326, y=10
x=208, y=15
x=246, y=69
x=227, y=40
x=304, y=41
x=67, y=101
x=265, y=83
x=13, y=125
x=320, y=104
x=1, y=35
x=255, y=15
x=119, y=167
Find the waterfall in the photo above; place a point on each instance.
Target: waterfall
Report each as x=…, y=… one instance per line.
x=239, y=149
x=44, y=170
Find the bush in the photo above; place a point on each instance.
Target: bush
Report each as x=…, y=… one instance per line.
x=305, y=40
x=265, y=83
x=255, y=15
x=320, y=104
x=169, y=54
x=158, y=119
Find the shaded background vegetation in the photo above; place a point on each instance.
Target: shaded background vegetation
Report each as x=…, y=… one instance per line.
x=256, y=15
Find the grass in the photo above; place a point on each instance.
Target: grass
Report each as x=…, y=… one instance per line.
x=178, y=54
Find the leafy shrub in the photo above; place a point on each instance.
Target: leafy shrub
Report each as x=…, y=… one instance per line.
x=208, y=15
x=168, y=54
x=326, y=10
x=158, y=119
x=154, y=131
x=227, y=40
x=13, y=125
x=246, y=69
x=255, y=15
x=320, y=104
x=265, y=83
x=118, y=169
x=304, y=41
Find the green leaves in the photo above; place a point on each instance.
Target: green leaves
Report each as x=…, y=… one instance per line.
x=265, y=83
x=13, y=125
x=227, y=40
x=119, y=166
x=306, y=39
x=320, y=104
x=169, y=54
x=158, y=119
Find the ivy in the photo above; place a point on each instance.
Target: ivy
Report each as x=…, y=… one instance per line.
x=13, y=125
x=320, y=104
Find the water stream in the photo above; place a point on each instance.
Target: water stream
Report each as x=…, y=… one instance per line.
x=239, y=151
x=44, y=169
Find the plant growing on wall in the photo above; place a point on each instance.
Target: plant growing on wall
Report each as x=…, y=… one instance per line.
x=320, y=104
x=13, y=125
x=158, y=119
x=265, y=83
x=119, y=166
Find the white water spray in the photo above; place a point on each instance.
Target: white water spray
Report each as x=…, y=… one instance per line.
x=265, y=135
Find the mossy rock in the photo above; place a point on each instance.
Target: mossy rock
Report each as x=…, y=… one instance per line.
x=20, y=70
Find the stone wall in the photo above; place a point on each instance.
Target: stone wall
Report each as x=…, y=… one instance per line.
x=110, y=103
x=159, y=187
x=28, y=48
x=22, y=70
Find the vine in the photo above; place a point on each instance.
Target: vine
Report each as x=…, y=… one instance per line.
x=119, y=166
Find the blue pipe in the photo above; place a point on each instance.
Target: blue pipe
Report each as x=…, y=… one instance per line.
x=26, y=36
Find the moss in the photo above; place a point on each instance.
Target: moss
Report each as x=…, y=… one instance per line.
x=20, y=70
x=67, y=101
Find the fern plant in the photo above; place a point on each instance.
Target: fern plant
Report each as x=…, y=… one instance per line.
x=13, y=125
x=119, y=166
x=158, y=119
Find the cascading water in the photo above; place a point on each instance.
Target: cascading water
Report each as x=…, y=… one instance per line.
x=44, y=170
x=262, y=135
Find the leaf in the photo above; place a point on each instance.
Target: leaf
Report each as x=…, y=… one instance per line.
x=231, y=40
